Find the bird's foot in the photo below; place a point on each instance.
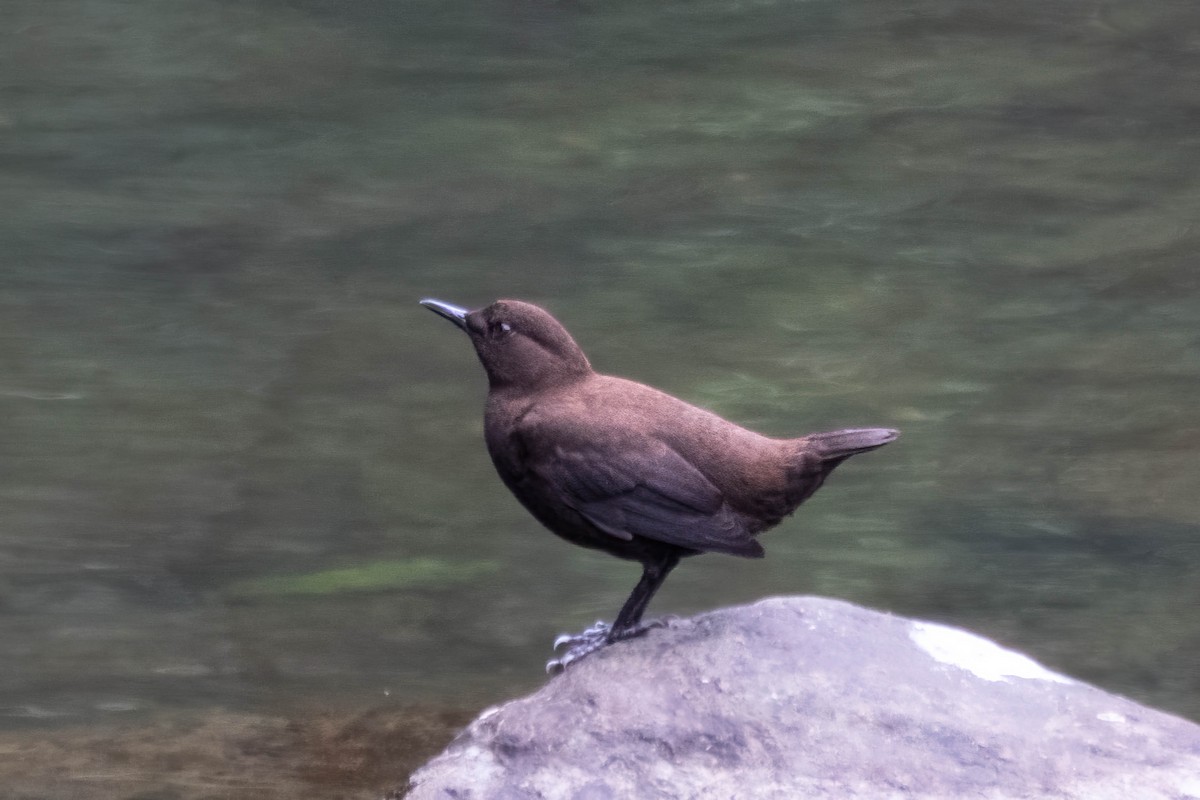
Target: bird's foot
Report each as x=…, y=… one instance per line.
x=578, y=645
x=594, y=638
x=597, y=632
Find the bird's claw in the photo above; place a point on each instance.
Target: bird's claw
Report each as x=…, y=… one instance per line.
x=578, y=645
x=599, y=630
x=556, y=665
x=596, y=637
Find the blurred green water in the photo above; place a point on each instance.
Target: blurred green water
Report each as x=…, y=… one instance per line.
x=975, y=222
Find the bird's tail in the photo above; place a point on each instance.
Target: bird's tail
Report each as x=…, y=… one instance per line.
x=839, y=445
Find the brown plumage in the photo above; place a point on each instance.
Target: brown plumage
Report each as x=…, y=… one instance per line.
x=614, y=465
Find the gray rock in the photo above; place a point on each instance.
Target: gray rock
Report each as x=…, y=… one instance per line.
x=813, y=698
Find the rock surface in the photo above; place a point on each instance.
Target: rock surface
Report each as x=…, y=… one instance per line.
x=812, y=698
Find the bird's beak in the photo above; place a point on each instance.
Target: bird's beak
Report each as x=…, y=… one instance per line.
x=453, y=313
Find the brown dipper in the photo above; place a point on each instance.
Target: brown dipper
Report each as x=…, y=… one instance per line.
x=616, y=466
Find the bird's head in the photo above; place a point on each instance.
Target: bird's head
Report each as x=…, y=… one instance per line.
x=520, y=345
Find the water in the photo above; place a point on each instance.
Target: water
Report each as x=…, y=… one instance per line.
x=243, y=469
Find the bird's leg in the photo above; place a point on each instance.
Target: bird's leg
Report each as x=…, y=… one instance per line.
x=629, y=621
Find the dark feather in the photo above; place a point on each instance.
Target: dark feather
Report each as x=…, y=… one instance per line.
x=651, y=492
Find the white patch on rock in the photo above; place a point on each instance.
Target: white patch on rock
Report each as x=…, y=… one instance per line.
x=1189, y=787
x=977, y=655
x=1111, y=716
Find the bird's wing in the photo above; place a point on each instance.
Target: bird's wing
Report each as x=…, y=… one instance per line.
x=648, y=490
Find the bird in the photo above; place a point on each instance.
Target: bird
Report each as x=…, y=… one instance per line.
x=614, y=465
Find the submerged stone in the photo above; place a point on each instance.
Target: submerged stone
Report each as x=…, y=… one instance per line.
x=815, y=698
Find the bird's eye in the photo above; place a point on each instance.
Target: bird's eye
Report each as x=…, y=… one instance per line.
x=499, y=330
